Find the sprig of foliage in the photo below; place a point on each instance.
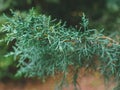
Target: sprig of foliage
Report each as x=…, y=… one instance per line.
x=45, y=47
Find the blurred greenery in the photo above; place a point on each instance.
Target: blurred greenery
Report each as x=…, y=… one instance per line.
x=5, y=63
x=102, y=14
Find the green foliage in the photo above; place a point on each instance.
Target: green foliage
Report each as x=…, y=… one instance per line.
x=45, y=47
x=5, y=62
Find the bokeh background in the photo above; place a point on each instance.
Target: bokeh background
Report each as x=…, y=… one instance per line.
x=102, y=14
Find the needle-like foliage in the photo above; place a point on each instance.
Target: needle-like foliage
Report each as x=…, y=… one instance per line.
x=45, y=47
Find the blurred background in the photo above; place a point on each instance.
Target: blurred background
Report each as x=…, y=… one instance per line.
x=102, y=14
